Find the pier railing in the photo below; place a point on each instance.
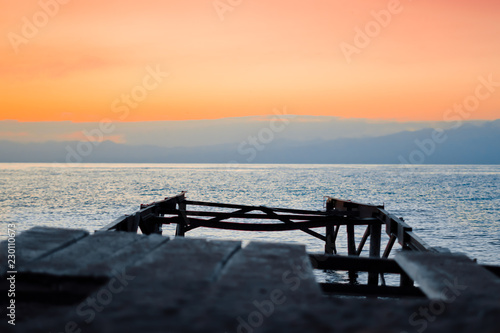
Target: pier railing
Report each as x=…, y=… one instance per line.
x=189, y=215
x=339, y=213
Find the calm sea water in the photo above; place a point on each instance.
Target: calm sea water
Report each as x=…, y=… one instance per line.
x=457, y=207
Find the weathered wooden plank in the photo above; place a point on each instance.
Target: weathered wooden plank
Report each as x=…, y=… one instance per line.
x=177, y=287
x=260, y=286
x=362, y=264
x=260, y=268
x=38, y=242
x=94, y=255
x=168, y=287
x=368, y=290
x=129, y=254
x=188, y=258
x=447, y=277
x=37, y=284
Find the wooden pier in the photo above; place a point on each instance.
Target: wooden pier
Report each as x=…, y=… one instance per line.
x=117, y=280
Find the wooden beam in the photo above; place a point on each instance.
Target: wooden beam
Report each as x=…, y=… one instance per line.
x=195, y=223
x=367, y=290
x=416, y=243
x=287, y=221
x=362, y=264
x=239, y=214
x=236, y=206
x=363, y=241
x=219, y=218
x=389, y=246
x=351, y=207
x=338, y=220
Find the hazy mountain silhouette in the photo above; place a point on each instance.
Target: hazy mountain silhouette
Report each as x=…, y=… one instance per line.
x=468, y=144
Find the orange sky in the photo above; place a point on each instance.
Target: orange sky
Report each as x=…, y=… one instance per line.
x=264, y=54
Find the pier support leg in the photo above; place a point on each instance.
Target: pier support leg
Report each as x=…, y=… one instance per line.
x=375, y=236
x=351, y=245
x=183, y=221
x=331, y=237
x=351, y=250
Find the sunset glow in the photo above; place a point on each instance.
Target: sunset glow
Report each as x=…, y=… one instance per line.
x=421, y=60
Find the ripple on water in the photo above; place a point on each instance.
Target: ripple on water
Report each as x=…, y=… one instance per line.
x=455, y=207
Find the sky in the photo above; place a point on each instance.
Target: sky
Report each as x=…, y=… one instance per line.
x=165, y=60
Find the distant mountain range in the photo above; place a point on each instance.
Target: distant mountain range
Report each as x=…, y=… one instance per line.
x=471, y=143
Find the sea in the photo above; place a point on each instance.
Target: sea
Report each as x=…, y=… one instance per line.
x=449, y=206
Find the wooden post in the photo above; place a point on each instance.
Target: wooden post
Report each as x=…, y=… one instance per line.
x=331, y=232
x=375, y=236
x=331, y=235
x=183, y=221
x=351, y=250
x=351, y=245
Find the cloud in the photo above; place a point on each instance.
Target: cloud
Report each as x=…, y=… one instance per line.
x=10, y=135
x=83, y=136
